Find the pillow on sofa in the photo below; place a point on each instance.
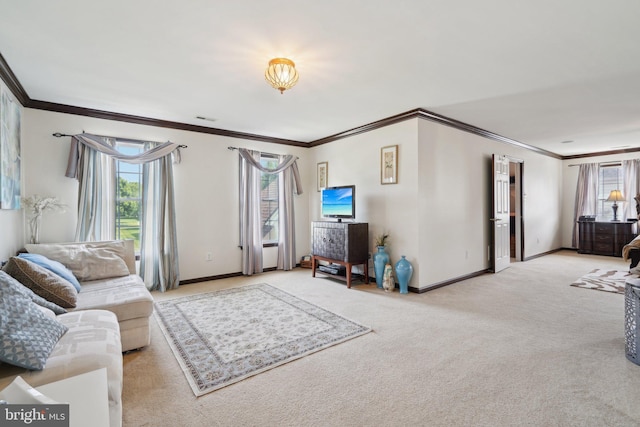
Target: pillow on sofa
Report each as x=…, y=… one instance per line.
x=48, y=285
x=28, y=335
x=50, y=314
x=53, y=266
x=87, y=261
x=9, y=281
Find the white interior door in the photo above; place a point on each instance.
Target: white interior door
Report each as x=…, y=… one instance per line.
x=500, y=219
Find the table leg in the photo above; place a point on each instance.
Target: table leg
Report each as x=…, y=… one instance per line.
x=348, y=275
x=366, y=272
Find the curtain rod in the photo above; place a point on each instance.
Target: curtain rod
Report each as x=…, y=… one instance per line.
x=618, y=163
x=60, y=135
x=271, y=154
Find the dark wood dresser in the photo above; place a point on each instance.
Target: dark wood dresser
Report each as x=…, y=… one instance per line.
x=342, y=243
x=604, y=237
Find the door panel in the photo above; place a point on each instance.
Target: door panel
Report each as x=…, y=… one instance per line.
x=500, y=219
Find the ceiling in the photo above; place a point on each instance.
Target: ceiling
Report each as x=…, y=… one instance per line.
x=540, y=72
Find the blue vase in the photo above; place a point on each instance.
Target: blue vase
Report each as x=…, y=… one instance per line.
x=404, y=271
x=380, y=259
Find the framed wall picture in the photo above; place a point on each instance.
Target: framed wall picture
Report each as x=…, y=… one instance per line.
x=10, y=157
x=323, y=173
x=389, y=165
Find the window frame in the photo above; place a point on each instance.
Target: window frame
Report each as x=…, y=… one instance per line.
x=117, y=199
x=604, y=208
x=265, y=158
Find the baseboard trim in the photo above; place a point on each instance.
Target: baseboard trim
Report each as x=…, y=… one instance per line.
x=209, y=278
x=221, y=276
x=373, y=280
x=529, y=258
x=448, y=282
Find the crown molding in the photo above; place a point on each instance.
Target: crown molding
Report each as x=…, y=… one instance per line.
x=14, y=85
x=408, y=115
x=428, y=115
x=431, y=116
x=12, y=82
x=602, y=153
x=107, y=115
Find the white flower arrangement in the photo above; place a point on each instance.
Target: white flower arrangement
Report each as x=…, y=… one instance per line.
x=39, y=205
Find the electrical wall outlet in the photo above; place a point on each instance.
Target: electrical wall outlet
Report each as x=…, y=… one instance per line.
x=208, y=256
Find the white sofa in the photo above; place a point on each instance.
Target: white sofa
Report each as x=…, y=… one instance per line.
x=111, y=316
x=124, y=295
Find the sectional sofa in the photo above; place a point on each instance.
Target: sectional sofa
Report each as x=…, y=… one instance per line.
x=87, y=324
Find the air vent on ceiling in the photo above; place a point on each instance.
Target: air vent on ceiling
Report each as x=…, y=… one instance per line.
x=209, y=119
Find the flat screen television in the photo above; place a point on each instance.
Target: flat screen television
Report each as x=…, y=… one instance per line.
x=339, y=202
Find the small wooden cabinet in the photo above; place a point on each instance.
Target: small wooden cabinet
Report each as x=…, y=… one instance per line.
x=343, y=243
x=604, y=238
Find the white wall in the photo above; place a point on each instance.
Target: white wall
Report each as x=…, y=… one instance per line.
x=438, y=214
x=206, y=187
x=11, y=221
x=569, y=183
x=455, y=201
x=391, y=208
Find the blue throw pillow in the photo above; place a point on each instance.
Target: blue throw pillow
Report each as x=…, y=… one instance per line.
x=28, y=335
x=53, y=266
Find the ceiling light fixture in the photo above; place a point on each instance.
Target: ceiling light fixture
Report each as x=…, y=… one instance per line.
x=281, y=74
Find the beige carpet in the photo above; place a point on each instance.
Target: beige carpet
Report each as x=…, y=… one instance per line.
x=515, y=348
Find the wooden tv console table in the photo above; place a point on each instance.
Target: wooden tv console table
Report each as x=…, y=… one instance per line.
x=347, y=277
x=343, y=243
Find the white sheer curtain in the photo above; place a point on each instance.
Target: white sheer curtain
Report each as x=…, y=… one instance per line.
x=158, y=240
x=91, y=161
x=631, y=186
x=250, y=219
x=586, y=196
x=95, y=172
x=286, y=217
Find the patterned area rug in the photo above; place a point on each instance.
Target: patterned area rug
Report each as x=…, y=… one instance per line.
x=223, y=337
x=604, y=280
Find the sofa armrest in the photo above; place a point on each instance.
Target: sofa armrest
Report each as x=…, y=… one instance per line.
x=634, y=256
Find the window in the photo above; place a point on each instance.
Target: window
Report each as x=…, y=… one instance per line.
x=128, y=195
x=609, y=178
x=269, y=200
